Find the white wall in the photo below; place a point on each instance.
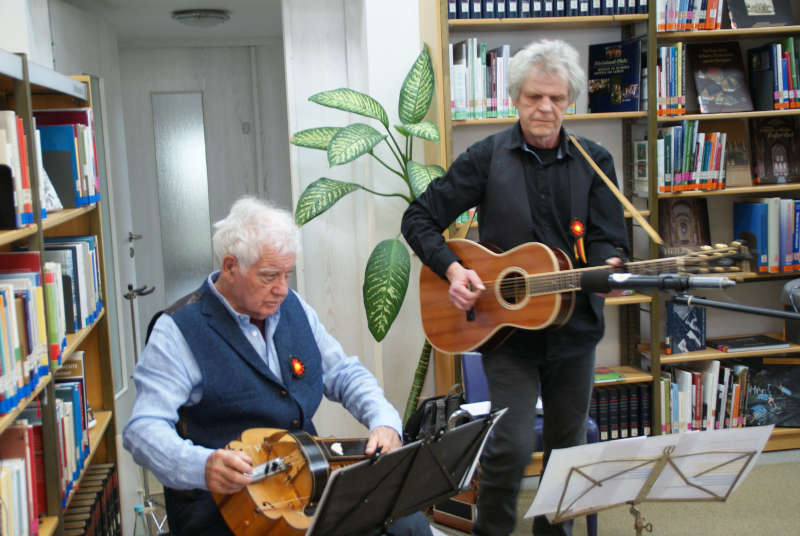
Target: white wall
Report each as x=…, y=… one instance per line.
x=367, y=46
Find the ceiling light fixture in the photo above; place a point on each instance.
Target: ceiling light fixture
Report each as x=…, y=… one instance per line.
x=201, y=18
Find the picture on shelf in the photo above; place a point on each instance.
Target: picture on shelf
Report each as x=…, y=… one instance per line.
x=718, y=73
x=757, y=13
x=773, y=391
x=683, y=225
x=776, y=156
x=615, y=76
x=686, y=328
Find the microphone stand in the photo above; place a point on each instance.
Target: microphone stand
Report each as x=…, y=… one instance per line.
x=687, y=299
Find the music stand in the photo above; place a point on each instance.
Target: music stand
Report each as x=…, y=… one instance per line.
x=371, y=494
x=692, y=466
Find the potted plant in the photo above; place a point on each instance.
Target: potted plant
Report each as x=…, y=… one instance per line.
x=388, y=267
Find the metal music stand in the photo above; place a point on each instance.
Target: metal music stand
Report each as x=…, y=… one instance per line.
x=691, y=466
x=371, y=494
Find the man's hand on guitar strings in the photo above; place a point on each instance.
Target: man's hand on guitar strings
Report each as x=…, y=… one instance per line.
x=228, y=471
x=465, y=286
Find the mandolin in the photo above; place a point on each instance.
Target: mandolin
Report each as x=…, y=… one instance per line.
x=290, y=471
x=531, y=286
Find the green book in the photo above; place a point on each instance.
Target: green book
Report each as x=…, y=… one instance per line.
x=606, y=374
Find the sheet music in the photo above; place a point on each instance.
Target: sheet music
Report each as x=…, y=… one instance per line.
x=601, y=475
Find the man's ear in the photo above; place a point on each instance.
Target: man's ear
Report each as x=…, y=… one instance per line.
x=230, y=264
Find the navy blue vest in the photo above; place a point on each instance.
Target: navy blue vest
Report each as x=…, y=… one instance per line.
x=239, y=391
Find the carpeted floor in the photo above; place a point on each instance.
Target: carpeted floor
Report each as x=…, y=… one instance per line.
x=767, y=503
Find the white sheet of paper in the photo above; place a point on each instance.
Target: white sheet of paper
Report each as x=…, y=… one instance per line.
x=613, y=472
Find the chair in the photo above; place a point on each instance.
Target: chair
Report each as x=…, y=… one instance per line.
x=476, y=389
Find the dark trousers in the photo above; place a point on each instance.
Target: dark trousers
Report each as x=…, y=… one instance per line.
x=514, y=379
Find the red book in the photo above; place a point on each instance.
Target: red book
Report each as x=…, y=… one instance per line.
x=27, y=202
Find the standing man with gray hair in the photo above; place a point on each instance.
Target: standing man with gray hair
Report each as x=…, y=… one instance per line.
x=530, y=184
x=243, y=351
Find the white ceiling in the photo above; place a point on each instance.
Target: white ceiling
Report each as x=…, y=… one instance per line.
x=148, y=22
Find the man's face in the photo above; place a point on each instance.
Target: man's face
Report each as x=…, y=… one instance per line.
x=260, y=290
x=542, y=101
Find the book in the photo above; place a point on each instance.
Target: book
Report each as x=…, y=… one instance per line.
x=737, y=169
x=774, y=144
x=615, y=76
x=750, y=227
x=746, y=343
x=756, y=13
x=683, y=224
x=606, y=374
x=686, y=328
x=718, y=74
x=773, y=384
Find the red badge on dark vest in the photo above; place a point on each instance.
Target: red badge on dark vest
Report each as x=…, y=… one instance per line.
x=298, y=368
x=578, y=230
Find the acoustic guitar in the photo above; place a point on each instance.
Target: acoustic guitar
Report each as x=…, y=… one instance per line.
x=531, y=286
x=290, y=472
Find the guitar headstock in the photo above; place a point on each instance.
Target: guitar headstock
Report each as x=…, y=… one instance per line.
x=730, y=258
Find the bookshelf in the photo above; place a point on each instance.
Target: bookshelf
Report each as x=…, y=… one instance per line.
x=782, y=438
x=24, y=88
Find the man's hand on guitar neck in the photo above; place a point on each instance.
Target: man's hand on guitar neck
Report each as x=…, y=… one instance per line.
x=465, y=286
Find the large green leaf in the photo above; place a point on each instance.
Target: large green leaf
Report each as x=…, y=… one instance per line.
x=417, y=89
x=385, y=285
x=352, y=101
x=319, y=196
x=314, y=138
x=351, y=142
x=421, y=176
x=427, y=130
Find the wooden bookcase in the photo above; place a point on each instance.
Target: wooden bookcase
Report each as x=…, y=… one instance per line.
x=437, y=32
x=782, y=438
x=25, y=87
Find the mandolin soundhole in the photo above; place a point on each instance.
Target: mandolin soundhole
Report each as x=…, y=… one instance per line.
x=512, y=289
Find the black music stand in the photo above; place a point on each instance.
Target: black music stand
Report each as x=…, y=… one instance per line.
x=369, y=495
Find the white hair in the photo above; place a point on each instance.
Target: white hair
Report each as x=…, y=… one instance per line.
x=251, y=226
x=551, y=57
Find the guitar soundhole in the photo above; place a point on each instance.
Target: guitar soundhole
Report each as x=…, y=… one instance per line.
x=512, y=289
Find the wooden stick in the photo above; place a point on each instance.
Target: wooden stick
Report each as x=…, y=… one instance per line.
x=622, y=199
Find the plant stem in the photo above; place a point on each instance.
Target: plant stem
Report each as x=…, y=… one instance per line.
x=396, y=194
x=387, y=166
x=399, y=154
x=419, y=380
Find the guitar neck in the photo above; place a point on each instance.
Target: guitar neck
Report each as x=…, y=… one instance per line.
x=570, y=280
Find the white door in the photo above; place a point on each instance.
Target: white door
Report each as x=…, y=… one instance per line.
x=191, y=152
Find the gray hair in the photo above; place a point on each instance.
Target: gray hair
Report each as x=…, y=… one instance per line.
x=551, y=57
x=252, y=225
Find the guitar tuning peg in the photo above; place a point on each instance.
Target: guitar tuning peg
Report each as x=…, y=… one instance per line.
x=720, y=246
x=705, y=248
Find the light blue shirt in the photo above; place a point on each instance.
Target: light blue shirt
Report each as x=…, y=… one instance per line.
x=168, y=377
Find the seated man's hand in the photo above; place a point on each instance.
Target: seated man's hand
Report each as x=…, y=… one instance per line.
x=227, y=470
x=384, y=437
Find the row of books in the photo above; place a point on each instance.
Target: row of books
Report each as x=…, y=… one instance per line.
x=621, y=411
x=773, y=70
x=21, y=449
x=703, y=396
x=65, y=156
x=689, y=15
x=479, y=81
x=771, y=227
x=498, y=9
x=37, y=310
x=95, y=507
